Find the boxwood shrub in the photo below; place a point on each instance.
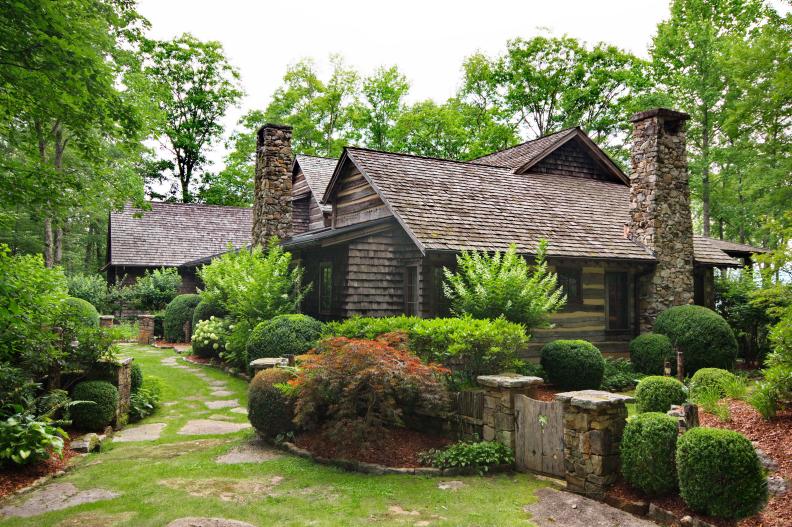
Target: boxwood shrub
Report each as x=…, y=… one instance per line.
x=701, y=334
x=573, y=364
x=649, y=351
x=710, y=379
x=77, y=313
x=370, y=327
x=177, y=312
x=657, y=394
x=270, y=409
x=283, y=335
x=94, y=417
x=648, y=450
x=136, y=378
x=720, y=473
x=206, y=309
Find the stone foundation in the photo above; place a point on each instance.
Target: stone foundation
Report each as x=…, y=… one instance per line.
x=145, y=329
x=593, y=425
x=498, y=414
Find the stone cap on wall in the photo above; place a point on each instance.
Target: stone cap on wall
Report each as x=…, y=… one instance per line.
x=508, y=380
x=593, y=399
x=664, y=113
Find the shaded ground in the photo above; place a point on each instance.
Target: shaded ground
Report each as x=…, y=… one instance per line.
x=198, y=480
x=556, y=508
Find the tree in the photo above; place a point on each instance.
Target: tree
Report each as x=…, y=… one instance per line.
x=194, y=85
x=383, y=101
x=689, y=58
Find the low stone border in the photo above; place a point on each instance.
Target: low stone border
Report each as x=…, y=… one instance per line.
x=44, y=479
x=234, y=372
x=379, y=470
x=653, y=512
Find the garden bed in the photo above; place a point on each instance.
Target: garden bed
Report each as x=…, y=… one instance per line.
x=395, y=447
x=13, y=478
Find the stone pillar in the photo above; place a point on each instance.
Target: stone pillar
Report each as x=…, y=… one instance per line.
x=498, y=415
x=593, y=425
x=124, y=384
x=272, y=206
x=660, y=210
x=106, y=321
x=145, y=329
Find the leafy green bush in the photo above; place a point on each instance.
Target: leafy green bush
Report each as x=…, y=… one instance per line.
x=648, y=450
x=17, y=388
x=714, y=379
x=270, y=408
x=206, y=309
x=90, y=287
x=145, y=400
x=468, y=346
x=284, y=335
x=573, y=364
x=657, y=394
x=619, y=375
x=137, y=377
x=704, y=338
x=178, y=312
x=370, y=327
x=54, y=404
x=720, y=473
x=477, y=456
x=156, y=288
x=25, y=439
x=649, y=351
x=210, y=337
x=96, y=416
x=503, y=284
x=76, y=313
x=736, y=301
x=775, y=390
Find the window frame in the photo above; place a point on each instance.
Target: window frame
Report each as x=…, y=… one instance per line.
x=325, y=309
x=577, y=274
x=625, y=284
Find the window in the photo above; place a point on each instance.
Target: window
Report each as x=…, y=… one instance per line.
x=411, y=291
x=616, y=298
x=325, y=288
x=569, y=280
x=441, y=304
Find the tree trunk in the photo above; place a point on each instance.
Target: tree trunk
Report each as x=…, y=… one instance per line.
x=49, y=259
x=705, y=183
x=60, y=146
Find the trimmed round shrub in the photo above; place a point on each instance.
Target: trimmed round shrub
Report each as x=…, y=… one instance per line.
x=657, y=394
x=283, y=335
x=210, y=337
x=707, y=379
x=177, y=312
x=703, y=336
x=77, y=313
x=573, y=364
x=720, y=473
x=205, y=310
x=94, y=417
x=136, y=378
x=649, y=351
x=270, y=410
x=648, y=450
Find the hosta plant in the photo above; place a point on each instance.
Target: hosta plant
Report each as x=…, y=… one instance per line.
x=478, y=456
x=25, y=439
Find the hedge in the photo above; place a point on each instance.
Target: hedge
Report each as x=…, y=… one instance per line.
x=270, y=410
x=648, y=449
x=657, y=394
x=94, y=417
x=177, y=313
x=283, y=335
x=703, y=336
x=205, y=310
x=720, y=473
x=136, y=377
x=707, y=379
x=573, y=364
x=649, y=351
x=77, y=313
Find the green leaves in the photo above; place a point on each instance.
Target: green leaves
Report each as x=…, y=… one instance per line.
x=504, y=285
x=24, y=439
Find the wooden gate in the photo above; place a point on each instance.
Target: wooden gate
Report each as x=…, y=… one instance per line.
x=539, y=441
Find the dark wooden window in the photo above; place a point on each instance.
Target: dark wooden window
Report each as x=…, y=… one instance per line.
x=570, y=281
x=325, y=288
x=616, y=300
x=441, y=304
x=411, y=290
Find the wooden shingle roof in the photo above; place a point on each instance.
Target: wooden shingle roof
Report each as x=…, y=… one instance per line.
x=519, y=155
x=318, y=171
x=172, y=234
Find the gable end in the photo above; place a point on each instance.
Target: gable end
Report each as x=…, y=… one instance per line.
x=573, y=159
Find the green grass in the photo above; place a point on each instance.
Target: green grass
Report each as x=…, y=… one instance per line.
x=308, y=494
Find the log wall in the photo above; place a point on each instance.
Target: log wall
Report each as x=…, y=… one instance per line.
x=354, y=201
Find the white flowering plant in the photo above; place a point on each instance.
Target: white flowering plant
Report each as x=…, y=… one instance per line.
x=210, y=337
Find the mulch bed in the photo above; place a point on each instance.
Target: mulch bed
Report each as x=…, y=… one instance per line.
x=394, y=447
x=773, y=437
x=200, y=360
x=13, y=478
x=544, y=392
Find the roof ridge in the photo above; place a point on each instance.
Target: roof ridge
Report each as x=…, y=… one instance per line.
x=564, y=130
x=177, y=204
x=433, y=158
x=317, y=157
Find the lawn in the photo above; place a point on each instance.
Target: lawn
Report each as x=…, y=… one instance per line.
x=177, y=476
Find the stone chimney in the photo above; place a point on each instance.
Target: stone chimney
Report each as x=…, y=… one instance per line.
x=660, y=210
x=272, y=205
